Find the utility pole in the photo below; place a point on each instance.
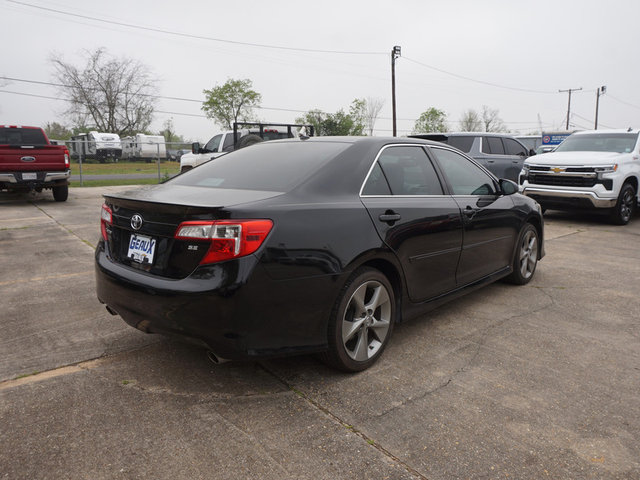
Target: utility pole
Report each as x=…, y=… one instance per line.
x=569, y=107
x=395, y=53
x=599, y=91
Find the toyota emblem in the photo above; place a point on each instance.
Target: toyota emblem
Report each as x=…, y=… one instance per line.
x=136, y=221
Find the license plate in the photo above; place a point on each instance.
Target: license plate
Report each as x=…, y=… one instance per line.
x=141, y=248
x=29, y=176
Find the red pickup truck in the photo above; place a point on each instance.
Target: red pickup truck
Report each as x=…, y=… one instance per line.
x=29, y=161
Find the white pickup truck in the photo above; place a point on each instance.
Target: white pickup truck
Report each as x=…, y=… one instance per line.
x=596, y=169
x=242, y=135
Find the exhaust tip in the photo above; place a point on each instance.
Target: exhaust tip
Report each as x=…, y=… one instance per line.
x=215, y=358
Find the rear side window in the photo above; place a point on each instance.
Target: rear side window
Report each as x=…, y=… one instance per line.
x=376, y=183
x=228, y=141
x=407, y=170
x=22, y=136
x=273, y=167
x=492, y=145
x=462, y=143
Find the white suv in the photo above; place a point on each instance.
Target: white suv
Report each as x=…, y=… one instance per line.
x=592, y=169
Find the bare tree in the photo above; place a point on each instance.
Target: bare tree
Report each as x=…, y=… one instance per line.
x=470, y=121
x=112, y=95
x=372, y=110
x=491, y=120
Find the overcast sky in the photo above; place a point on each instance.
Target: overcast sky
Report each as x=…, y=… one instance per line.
x=510, y=55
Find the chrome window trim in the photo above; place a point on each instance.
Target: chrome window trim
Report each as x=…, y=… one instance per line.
x=373, y=164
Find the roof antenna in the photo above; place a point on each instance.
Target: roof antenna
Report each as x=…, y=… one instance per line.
x=629, y=129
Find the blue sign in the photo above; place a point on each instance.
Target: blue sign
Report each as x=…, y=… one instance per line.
x=554, y=138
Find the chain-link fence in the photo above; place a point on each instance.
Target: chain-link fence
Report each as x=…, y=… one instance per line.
x=85, y=151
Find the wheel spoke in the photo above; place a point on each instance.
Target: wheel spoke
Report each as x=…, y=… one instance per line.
x=361, y=352
x=349, y=329
x=380, y=297
x=357, y=300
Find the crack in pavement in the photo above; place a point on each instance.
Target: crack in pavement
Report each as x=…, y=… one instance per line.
x=325, y=410
x=63, y=226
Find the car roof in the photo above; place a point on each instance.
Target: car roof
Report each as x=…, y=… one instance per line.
x=372, y=141
x=462, y=134
x=616, y=130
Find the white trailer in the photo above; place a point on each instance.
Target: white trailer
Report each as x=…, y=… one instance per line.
x=96, y=145
x=144, y=147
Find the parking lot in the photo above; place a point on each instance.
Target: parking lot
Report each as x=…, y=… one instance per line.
x=532, y=382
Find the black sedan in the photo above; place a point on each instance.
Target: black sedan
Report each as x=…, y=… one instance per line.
x=317, y=245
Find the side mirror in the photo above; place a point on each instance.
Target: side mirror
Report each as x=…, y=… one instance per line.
x=508, y=187
x=195, y=147
x=532, y=152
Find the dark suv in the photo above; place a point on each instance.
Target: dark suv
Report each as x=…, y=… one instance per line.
x=501, y=154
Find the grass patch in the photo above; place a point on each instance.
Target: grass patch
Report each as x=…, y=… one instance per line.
x=25, y=375
x=108, y=183
x=170, y=168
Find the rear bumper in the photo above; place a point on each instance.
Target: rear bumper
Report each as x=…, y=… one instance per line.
x=42, y=178
x=234, y=308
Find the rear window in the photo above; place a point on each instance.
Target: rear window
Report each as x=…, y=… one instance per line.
x=22, y=136
x=273, y=167
x=599, y=142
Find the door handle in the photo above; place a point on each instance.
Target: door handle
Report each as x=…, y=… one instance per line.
x=389, y=217
x=470, y=211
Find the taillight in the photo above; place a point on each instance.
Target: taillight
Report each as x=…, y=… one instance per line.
x=228, y=238
x=106, y=218
x=66, y=158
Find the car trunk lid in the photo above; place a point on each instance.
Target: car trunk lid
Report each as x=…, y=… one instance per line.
x=144, y=223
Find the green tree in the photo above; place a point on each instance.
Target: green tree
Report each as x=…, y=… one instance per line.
x=339, y=123
x=169, y=132
x=232, y=102
x=432, y=120
x=358, y=114
x=57, y=131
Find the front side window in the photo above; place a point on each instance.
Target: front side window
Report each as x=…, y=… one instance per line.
x=212, y=145
x=514, y=148
x=407, y=171
x=464, y=176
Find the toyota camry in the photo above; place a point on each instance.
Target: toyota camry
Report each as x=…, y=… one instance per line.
x=312, y=246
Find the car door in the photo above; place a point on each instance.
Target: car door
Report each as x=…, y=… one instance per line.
x=490, y=225
x=405, y=199
x=494, y=156
x=517, y=153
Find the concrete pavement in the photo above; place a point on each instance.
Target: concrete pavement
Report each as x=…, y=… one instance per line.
x=526, y=382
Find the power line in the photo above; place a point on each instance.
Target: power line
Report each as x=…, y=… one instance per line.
x=477, y=81
x=622, y=101
x=189, y=35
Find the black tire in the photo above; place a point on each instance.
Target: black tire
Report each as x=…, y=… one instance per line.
x=364, y=313
x=526, y=256
x=61, y=193
x=248, y=140
x=625, y=207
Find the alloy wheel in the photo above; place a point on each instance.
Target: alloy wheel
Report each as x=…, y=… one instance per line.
x=366, y=321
